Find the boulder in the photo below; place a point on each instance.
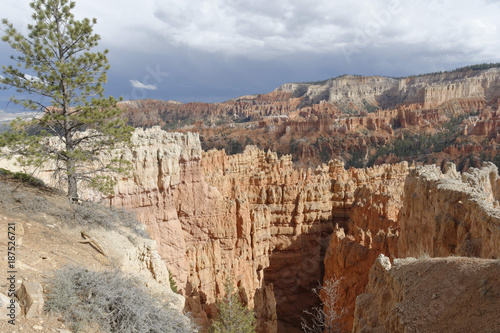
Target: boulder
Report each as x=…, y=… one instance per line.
x=30, y=297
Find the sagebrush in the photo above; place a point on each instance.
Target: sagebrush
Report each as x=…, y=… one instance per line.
x=84, y=213
x=113, y=302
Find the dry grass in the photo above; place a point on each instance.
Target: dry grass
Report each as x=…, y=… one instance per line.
x=111, y=301
x=37, y=202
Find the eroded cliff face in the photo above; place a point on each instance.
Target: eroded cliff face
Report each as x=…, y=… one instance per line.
x=429, y=213
x=453, y=294
x=429, y=91
x=443, y=214
x=270, y=226
x=372, y=229
x=251, y=215
x=451, y=213
x=352, y=118
x=298, y=210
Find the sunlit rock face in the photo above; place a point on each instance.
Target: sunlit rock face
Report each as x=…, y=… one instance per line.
x=432, y=212
x=450, y=213
x=278, y=231
x=251, y=215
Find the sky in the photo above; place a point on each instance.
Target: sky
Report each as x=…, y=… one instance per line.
x=212, y=51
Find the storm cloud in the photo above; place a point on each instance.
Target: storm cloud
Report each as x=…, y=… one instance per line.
x=220, y=49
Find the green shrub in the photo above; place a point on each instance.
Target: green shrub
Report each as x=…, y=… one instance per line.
x=26, y=178
x=111, y=301
x=5, y=172
x=234, y=317
x=173, y=285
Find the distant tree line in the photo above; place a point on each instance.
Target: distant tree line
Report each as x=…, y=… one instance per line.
x=476, y=67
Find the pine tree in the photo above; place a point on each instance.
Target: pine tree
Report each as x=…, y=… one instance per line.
x=58, y=76
x=234, y=317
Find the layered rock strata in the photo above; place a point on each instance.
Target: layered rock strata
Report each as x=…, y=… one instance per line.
x=296, y=210
x=451, y=213
x=251, y=215
x=431, y=213
x=269, y=226
x=429, y=91
x=372, y=229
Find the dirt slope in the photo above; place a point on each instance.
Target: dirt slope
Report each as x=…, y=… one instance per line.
x=48, y=235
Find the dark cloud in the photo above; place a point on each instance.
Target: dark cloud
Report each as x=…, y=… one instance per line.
x=217, y=50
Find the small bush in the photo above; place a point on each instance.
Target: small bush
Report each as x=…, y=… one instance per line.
x=112, y=301
x=5, y=172
x=234, y=316
x=173, y=285
x=24, y=177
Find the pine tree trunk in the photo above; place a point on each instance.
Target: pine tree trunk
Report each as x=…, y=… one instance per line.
x=72, y=183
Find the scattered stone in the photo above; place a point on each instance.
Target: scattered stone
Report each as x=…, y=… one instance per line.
x=38, y=328
x=6, y=308
x=30, y=297
x=19, y=228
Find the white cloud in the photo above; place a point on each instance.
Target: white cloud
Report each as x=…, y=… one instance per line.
x=140, y=85
x=280, y=27
x=266, y=29
x=31, y=78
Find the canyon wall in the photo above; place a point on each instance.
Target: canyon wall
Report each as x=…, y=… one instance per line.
x=372, y=229
x=428, y=214
x=300, y=208
x=451, y=213
x=268, y=226
x=443, y=214
x=428, y=91
x=252, y=216
x=341, y=97
x=340, y=113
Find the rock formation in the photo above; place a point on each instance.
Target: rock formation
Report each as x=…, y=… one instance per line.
x=429, y=91
x=270, y=226
x=451, y=213
x=341, y=112
x=427, y=214
x=453, y=294
x=487, y=124
x=372, y=229
x=251, y=215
